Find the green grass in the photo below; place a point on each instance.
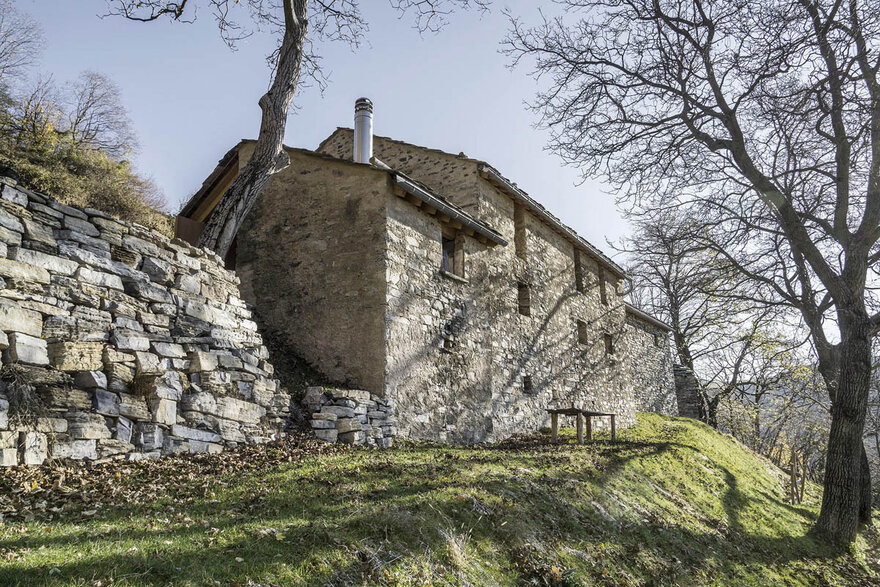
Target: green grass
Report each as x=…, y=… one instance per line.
x=672, y=503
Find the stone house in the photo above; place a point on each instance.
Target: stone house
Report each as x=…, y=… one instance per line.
x=433, y=281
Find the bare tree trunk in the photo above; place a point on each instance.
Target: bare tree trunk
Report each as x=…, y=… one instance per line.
x=709, y=407
x=803, y=478
x=847, y=497
x=269, y=157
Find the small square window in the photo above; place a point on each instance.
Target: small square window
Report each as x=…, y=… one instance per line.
x=583, y=336
x=527, y=384
x=524, y=298
x=609, y=344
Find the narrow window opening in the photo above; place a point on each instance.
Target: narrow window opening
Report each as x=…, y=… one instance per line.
x=519, y=230
x=459, y=255
x=583, y=337
x=602, y=292
x=609, y=344
x=656, y=340
x=524, y=298
x=452, y=260
x=579, y=272
x=448, y=261
x=527, y=384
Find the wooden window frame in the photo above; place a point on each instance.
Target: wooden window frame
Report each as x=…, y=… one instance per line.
x=452, y=257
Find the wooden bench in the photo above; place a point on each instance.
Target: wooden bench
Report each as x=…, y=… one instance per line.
x=580, y=415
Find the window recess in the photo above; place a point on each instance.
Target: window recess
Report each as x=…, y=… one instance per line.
x=609, y=344
x=583, y=335
x=519, y=230
x=579, y=284
x=524, y=298
x=452, y=258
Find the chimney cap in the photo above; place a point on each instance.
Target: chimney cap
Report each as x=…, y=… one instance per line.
x=363, y=103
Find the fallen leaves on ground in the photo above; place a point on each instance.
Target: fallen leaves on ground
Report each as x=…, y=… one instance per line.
x=82, y=489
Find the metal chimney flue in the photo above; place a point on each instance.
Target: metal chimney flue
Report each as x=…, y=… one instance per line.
x=363, y=130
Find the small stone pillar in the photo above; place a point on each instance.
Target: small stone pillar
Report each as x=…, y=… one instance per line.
x=687, y=392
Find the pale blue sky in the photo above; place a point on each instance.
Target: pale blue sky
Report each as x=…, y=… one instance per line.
x=191, y=98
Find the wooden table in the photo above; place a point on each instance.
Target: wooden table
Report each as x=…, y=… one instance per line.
x=580, y=416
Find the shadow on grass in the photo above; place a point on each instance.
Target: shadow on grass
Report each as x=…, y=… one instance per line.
x=348, y=518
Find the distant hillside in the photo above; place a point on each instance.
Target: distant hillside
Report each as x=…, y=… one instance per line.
x=674, y=503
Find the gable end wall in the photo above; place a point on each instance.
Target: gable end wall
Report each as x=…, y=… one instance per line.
x=311, y=258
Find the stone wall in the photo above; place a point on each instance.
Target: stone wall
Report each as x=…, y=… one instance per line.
x=687, y=390
x=311, y=259
x=463, y=365
x=647, y=349
x=350, y=416
x=116, y=341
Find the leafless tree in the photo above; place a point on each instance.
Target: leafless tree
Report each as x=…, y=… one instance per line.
x=676, y=277
x=781, y=411
x=35, y=117
x=302, y=25
x=95, y=117
x=763, y=119
x=20, y=42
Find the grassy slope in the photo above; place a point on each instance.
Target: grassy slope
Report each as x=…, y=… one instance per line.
x=674, y=503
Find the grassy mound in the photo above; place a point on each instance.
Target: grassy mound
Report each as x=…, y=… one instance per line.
x=672, y=503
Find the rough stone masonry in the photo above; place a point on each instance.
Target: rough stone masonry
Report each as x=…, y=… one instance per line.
x=120, y=343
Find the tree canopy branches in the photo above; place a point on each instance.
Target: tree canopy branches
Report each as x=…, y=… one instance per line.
x=762, y=119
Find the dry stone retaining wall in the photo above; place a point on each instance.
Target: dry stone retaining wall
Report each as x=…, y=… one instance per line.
x=118, y=341
x=350, y=416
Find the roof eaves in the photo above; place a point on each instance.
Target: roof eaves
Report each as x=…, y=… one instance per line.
x=455, y=213
x=224, y=162
x=407, y=184
x=494, y=177
x=212, y=178
x=515, y=192
x=647, y=317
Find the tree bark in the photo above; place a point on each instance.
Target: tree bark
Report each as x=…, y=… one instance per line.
x=709, y=406
x=866, y=494
x=269, y=157
x=847, y=487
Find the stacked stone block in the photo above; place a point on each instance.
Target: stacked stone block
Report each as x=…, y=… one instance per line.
x=687, y=392
x=350, y=416
x=121, y=342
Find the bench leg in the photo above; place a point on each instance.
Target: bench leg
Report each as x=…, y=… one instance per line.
x=580, y=427
x=554, y=424
x=589, y=428
x=613, y=429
